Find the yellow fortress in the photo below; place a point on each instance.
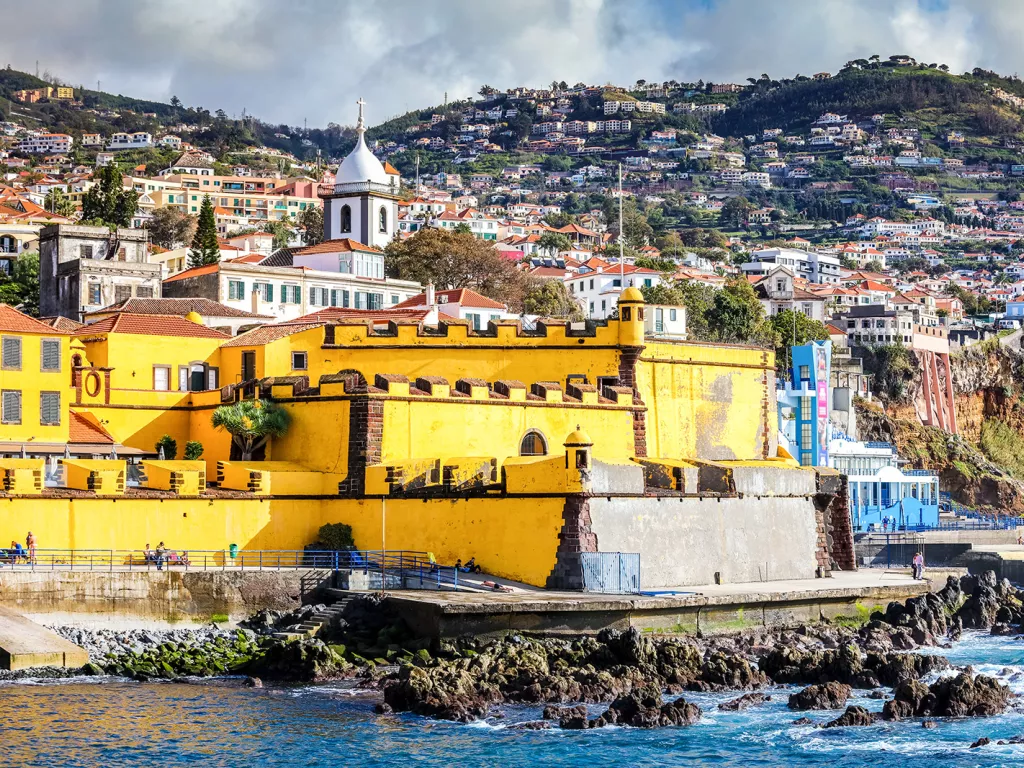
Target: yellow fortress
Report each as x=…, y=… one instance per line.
x=527, y=449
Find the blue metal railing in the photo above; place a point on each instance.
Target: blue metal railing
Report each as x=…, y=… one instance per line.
x=920, y=472
x=402, y=564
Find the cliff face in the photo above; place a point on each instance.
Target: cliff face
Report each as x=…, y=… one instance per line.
x=983, y=466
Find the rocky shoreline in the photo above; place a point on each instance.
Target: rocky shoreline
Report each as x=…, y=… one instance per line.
x=641, y=679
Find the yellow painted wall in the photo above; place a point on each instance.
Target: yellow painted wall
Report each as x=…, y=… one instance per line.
x=512, y=538
x=31, y=380
x=457, y=355
x=429, y=427
x=704, y=401
x=133, y=356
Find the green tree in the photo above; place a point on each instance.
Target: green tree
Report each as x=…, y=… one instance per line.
x=737, y=315
x=193, y=450
x=59, y=203
x=551, y=299
x=698, y=298
x=251, y=423
x=794, y=329
x=205, y=248
x=171, y=227
x=312, y=222
x=107, y=202
x=554, y=242
x=169, y=446
x=662, y=294
x=21, y=289
x=734, y=212
x=452, y=259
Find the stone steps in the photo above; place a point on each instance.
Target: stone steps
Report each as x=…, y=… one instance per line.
x=340, y=599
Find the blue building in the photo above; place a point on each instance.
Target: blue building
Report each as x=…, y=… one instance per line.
x=881, y=495
x=803, y=404
x=880, y=491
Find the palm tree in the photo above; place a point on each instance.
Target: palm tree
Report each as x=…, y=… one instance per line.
x=252, y=423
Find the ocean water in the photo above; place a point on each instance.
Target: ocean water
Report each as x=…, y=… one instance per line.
x=99, y=723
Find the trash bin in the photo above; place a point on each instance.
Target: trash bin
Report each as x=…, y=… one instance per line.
x=233, y=551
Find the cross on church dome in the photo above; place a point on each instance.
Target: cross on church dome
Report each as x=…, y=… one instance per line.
x=361, y=165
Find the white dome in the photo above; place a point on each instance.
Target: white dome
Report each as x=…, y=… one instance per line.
x=361, y=165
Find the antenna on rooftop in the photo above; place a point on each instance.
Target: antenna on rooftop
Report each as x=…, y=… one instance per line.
x=417, y=173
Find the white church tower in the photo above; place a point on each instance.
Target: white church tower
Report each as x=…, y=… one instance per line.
x=364, y=204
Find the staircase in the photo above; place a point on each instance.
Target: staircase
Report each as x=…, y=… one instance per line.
x=330, y=615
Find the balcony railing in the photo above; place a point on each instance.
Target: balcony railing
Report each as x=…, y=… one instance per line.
x=356, y=187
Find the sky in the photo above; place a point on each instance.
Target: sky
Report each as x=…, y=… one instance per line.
x=286, y=61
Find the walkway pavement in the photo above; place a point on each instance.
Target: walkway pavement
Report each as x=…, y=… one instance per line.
x=874, y=582
x=23, y=644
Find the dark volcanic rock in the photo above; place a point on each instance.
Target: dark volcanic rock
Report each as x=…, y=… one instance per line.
x=645, y=709
x=982, y=742
x=853, y=716
x=826, y=696
x=744, y=701
x=959, y=696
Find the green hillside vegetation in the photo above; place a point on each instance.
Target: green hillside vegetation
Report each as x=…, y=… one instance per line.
x=901, y=91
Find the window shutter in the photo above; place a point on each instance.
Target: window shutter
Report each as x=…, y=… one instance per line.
x=51, y=355
x=49, y=407
x=296, y=295
x=183, y=378
x=312, y=296
x=11, y=407
x=160, y=375
x=12, y=352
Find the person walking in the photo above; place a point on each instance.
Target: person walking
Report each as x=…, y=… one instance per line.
x=161, y=551
x=30, y=545
x=918, y=566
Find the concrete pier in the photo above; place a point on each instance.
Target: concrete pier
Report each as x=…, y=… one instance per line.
x=849, y=597
x=25, y=644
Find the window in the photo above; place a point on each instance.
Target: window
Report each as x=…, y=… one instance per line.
x=346, y=219
x=474, y=319
x=94, y=294
x=291, y=294
x=49, y=408
x=50, y=354
x=318, y=297
x=10, y=406
x=212, y=378
x=805, y=373
x=85, y=251
x=383, y=220
x=122, y=293
x=144, y=291
x=183, y=378
x=591, y=285
x=236, y=289
x=11, y=356
x=299, y=361
x=266, y=291
x=533, y=444
x=394, y=298
x=374, y=300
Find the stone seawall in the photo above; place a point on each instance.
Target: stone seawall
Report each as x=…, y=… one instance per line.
x=157, y=597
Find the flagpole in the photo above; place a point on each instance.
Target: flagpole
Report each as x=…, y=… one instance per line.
x=622, y=263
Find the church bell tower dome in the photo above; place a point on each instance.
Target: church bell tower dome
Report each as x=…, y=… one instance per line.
x=361, y=165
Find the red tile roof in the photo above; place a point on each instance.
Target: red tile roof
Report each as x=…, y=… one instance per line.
x=13, y=321
x=150, y=325
x=62, y=324
x=268, y=333
x=338, y=245
x=178, y=307
x=464, y=297
x=206, y=269
x=82, y=429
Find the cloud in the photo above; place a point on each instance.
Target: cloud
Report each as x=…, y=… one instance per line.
x=311, y=59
